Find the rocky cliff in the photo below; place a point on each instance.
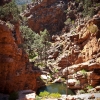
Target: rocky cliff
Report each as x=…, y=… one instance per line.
x=15, y=70
x=46, y=14
x=77, y=53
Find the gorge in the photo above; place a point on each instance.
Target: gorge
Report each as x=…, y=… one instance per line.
x=74, y=52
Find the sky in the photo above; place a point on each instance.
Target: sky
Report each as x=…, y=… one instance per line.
x=19, y=2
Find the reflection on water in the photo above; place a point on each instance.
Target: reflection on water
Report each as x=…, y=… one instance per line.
x=54, y=88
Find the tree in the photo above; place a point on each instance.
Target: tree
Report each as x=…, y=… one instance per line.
x=9, y=11
x=45, y=40
x=28, y=40
x=87, y=4
x=36, y=44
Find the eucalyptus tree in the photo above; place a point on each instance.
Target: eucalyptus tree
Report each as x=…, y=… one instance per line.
x=9, y=11
x=36, y=44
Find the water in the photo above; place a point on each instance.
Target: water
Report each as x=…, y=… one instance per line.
x=54, y=88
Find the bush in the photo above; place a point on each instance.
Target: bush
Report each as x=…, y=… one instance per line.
x=9, y=9
x=81, y=92
x=84, y=72
x=55, y=95
x=68, y=21
x=44, y=94
x=38, y=98
x=89, y=87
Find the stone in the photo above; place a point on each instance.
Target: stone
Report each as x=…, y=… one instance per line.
x=42, y=16
x=26, y=95
x=14, y=74
x=91, y=97
x=97, y=88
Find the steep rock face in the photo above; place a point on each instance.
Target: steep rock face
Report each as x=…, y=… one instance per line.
x=46, y=14
x=80, y=51
x=15, y=72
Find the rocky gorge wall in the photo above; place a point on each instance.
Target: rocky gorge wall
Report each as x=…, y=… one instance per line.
x=15, y=70
x=46, y=14
x=77, y=54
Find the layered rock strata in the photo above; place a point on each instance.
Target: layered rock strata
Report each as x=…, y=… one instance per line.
x=15, y=70
x=46, y=14
x=79, y=54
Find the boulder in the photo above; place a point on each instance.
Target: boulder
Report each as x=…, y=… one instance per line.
x=97, y=88
x=26, y=95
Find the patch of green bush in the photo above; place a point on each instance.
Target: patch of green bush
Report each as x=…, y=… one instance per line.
x=84, y=72
x=46, y=94
x=55, y=95
x=81, y=91
x=38, y=98
x=9, y=9
x=89, y=87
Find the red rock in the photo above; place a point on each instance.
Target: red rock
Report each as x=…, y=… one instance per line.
x=46, y=16
x=14, y=74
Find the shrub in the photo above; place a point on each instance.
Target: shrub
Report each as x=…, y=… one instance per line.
x=93, y=29
x=9, y=9
x=84, y=72
x=44, y=94
x=89, y=87
x=55, y=95
x=68, y=21
x=81, y=92
x=38, y=98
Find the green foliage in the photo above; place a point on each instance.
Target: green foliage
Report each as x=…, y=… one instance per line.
x=78, y=1
x=89, y=87
x=8, y=10
x=91, y=11
x=13, y=96
x=81, y=91
x=77, y=83
x=97, y=4
x=38, y=98
x=44, y=94
x=42, y=45
x=55, y=95
x=84, y=72
x=93, y=29
x=23, y=7
x=11, y=26
x=28, y=43
x=33, y=0
x=68, y=21
x=87, y=4
x=35, y=44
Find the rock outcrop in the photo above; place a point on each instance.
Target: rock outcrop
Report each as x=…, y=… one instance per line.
x=46, y=14
x=80, y=54
x=15, y=70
